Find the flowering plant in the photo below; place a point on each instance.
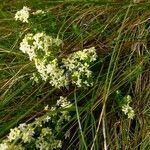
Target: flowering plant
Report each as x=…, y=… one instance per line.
x=43, y=132
x=44, y=50
x=123, y=103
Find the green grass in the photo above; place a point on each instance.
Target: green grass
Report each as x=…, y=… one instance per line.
x=120, y=32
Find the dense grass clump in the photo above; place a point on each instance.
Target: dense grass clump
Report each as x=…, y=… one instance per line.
x=101, y=50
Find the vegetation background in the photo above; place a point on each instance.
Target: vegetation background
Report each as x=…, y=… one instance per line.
x=120, y=32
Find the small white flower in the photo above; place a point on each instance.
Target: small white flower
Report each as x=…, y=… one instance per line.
x=67, y=134
x=22, y=126
x=53, y=108
x=63, y=102
x=46, y=107
x=46, y=119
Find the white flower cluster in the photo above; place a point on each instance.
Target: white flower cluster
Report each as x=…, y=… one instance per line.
x=78, y=65
x=44, y=50
x=40, y=46
x=26, y=46
x=23, y=14
x=53, y=73
x=42, y=133
x=126, y=108
x=74, y=69
x=63, y=102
